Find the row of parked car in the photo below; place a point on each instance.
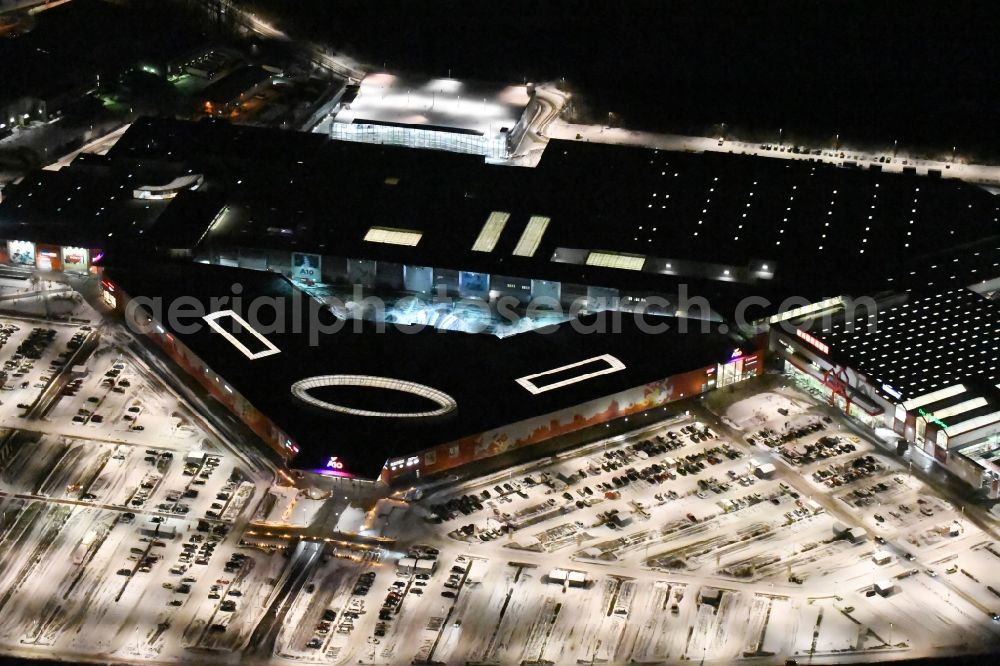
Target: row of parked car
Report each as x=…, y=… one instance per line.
x=29, y=351
x=455, y=576
x=696, y=432
x=35, y=344
x=771, y=438
x=469, y=504
x=658, y=445
x=825, y=447
x=144, y=490
x=142, y=556
x=859, y=468
x=113, y=381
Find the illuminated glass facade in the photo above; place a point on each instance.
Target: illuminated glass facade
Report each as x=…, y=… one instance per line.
x=493, y=145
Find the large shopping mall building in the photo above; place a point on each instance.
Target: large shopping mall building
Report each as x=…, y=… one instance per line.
x=495, y=285
x=925, y=367
x=383, y=398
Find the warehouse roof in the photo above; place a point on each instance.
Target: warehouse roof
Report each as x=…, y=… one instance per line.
x=667, y=215
x=926, y=348
x=630, y=218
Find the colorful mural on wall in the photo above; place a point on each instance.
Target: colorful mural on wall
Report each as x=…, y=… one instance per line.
x=534, y=431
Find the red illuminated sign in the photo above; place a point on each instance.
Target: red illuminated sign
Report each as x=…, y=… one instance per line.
x=823, y=347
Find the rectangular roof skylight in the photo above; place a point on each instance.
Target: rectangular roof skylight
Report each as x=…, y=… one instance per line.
x=490, y=233
x=391, y=236
x=960, y=408
x=933, y=396
x=972, y=424
x=249, y=335
x=628, y=262
x=532, y=236
x=592, y=367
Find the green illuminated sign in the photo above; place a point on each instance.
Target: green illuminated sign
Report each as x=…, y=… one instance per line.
x=931, y=418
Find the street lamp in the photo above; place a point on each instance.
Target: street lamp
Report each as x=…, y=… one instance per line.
x=781, y=131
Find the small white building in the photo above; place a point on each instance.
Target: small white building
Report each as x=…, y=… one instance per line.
x=406, y=565
x=564, y=576
x=195, y=457
x=412, y=565
x=161, y=530
x=881, y=557
x=764, y=470
x=885, y=587
x=425, y=566
x=857, y=534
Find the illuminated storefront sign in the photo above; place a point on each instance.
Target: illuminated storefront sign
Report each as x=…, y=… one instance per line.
x=475, y=284
x=306, y=267
x=22, y=252
x=75, y=259
x=929, y=417
x=891, y=391
x=108, y=294
x=333, y=466
x=47, y=258
x=823, y=347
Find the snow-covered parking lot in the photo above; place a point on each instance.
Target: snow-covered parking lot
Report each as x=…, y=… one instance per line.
x=756, y=524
